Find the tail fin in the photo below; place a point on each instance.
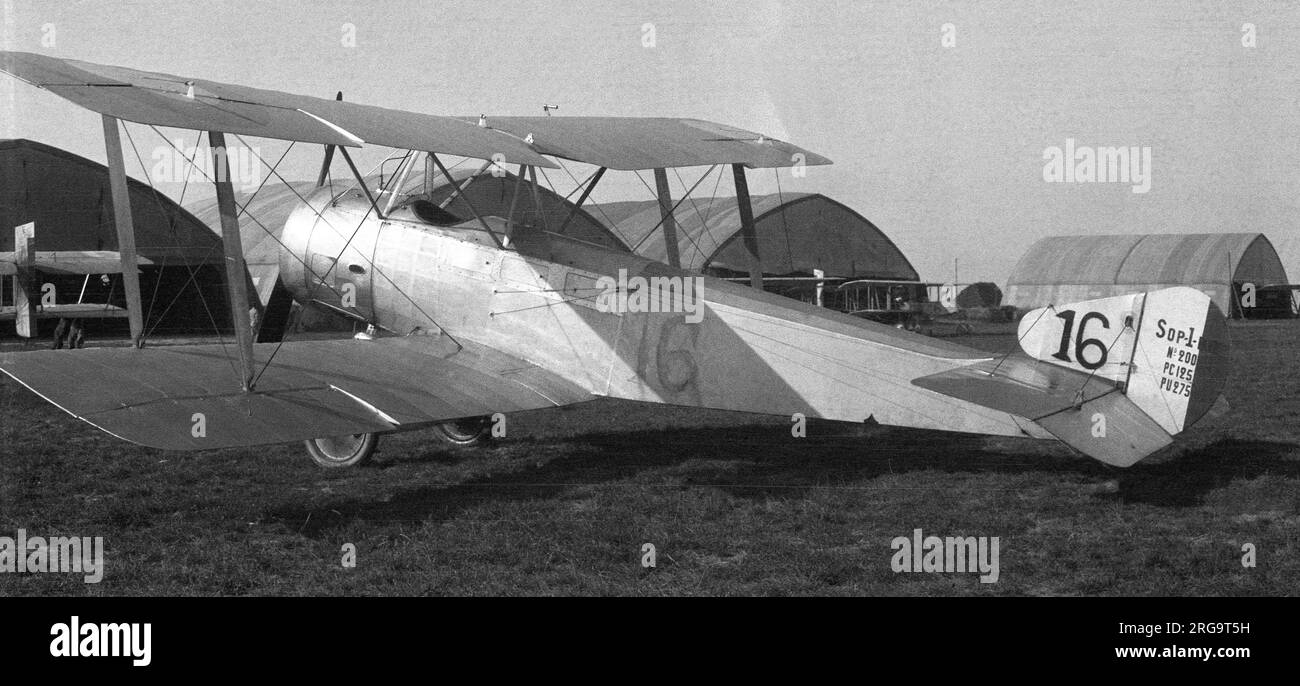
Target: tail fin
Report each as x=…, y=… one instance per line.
x=1124, y=375
x=1167, y=350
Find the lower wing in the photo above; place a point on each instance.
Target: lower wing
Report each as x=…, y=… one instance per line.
x=189, y=397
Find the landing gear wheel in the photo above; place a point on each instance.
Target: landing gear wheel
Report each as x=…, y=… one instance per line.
x=343, y=451
x=468, y=431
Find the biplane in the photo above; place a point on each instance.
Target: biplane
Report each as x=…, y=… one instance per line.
x=468, y=316
x=30, y=295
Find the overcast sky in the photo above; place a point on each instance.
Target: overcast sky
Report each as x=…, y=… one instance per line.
x=940, y=146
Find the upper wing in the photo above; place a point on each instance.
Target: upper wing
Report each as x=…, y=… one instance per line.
x=189, y=397
x=166, y=100
x=616, y=142
x=652, y=142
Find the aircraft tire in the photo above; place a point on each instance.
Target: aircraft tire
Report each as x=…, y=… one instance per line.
x=467, y=431
x=343, y=451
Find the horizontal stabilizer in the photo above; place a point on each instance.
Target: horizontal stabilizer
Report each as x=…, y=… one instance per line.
x=1018, y=385
x=189, y=397
x=1088, y=413
x=1064, y=402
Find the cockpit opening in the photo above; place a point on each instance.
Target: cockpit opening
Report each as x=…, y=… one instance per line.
x=432, y=214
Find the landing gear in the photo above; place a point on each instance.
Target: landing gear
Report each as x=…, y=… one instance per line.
x=468, y=431
x=342, y=451
x=357, y=449
x=69, y=333
x=909, y=322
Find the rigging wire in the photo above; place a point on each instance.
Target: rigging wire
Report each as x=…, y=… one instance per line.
x=553, y=191
x=1011, y=351
x=613, y=225
x=785, y=224
x=1079, y=394
x=192, y=278
x=561, y=301
x=579, y=186
x=319, y=279
x=243, y=210
x=708, y=212
x=704, y=227
x=204, y=301
x=157, y=284
x=671, y=210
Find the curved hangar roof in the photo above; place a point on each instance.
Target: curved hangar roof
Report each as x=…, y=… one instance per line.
x=493, y=195
x=68, y=198
x=797, y=232
x=1062, y=269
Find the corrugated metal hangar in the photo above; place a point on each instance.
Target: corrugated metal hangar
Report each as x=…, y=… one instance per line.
x=797, y=233
x=1063, y=269
x=68, y=199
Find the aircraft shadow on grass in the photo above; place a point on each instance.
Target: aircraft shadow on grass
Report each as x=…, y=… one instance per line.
x=1183, y=481
x=774, y=465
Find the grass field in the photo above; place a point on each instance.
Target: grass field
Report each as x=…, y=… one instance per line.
x=732, y=503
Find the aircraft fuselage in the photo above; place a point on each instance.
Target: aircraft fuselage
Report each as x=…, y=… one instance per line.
x=538, y=298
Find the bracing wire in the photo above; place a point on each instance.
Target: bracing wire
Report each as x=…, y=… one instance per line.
x=671, y=210
x=613, y=225
x=243, y=209
x=319, y=279
x=1012, y=350
x=190, y=269
x=704, y=227
x=785, y=224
